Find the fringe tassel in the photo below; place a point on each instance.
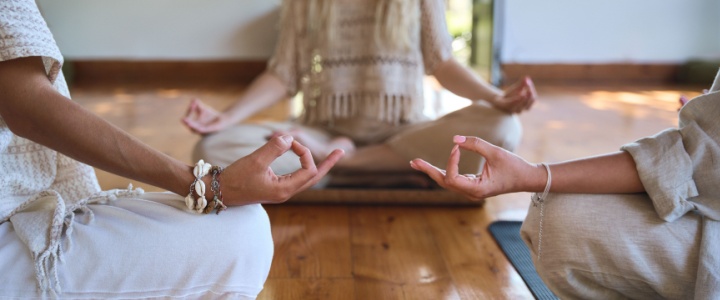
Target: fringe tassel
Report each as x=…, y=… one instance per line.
x=391, y=108
x=47, y=263
x=48, y=260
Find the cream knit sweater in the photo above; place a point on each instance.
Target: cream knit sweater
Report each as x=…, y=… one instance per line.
x=349, y=76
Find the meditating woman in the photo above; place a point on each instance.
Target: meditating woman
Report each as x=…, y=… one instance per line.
x=60, y=235
x=360, y=66
x=641, y=223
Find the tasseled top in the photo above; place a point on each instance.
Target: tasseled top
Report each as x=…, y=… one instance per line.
x=349, y=76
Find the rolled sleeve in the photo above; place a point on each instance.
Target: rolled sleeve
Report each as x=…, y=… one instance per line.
x=24, y=33
x=666, y=172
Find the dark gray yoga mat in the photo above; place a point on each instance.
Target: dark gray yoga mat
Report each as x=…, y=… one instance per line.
x=507, y=235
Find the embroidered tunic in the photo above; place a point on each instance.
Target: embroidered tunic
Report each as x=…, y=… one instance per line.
x=41, y=189
x=28, y=168
x=348, y=76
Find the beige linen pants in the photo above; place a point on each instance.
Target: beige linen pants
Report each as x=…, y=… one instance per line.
x=612, y=247
x=430, y=140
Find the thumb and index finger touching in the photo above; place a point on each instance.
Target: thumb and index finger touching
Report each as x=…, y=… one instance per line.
x=308, y=174
x=192, y=117
x=474, y=144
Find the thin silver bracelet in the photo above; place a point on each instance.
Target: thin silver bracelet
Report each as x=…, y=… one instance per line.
x=541, y=201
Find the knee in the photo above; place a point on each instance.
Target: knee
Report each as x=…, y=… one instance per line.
x=567, y=236
x=509, y=130
x=225, y=147
x=555, y=231
x=551, y=257
x=556, y=223
x=213, y=149
x=249, y=248
x=495, y=126
x=200, y=151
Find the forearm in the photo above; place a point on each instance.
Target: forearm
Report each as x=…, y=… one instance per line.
x=33, y=109
x=263, y=92
x=464, y=82
x=606, y=174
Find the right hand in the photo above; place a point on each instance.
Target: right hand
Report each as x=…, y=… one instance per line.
x=251, y=180
x=517, y=98
x=203, y=119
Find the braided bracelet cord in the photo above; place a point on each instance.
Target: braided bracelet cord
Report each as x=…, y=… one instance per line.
x=541, y=200
x=217, y=201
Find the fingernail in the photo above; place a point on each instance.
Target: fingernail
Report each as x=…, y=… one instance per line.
x=287, y=138
x=412, y=164
x=455, y=149
x=459, y=139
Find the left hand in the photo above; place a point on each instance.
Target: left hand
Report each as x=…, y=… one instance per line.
x=518, y=97
x=504, y=172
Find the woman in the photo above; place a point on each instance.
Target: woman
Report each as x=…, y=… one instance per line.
x=641, y=223
x=360, y=67
x=123, y=243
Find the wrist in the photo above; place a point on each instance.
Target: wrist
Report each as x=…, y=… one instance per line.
x=183, y=180
x=204, y=193
x=539, y=178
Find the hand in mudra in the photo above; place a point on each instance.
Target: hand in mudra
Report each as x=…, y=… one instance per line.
x=320, y=149
x=202, y=119
x=504, y=172
x=251, y=180
x=518, y=97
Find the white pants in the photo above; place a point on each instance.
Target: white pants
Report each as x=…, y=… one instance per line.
x=431, y=141
x=612, y=247
x=150, y=247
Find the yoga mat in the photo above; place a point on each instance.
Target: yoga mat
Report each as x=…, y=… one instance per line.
x=382, y=196
x=507, y=235
x=391, y=188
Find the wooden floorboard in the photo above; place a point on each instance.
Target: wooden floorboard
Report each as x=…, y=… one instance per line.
x=400, y=252
x=308, y=289
x=311, y=242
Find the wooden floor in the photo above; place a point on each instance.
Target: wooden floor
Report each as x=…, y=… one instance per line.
x=395, y=252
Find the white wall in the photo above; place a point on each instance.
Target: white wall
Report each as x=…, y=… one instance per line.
x=607, y=31
x=553, y=31
x=163, y=29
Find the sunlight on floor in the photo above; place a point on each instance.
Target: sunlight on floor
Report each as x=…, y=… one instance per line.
x=640, y=105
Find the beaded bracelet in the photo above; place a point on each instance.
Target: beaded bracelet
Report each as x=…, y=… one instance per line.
x=217, y=201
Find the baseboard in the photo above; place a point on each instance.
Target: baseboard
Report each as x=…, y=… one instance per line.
x=244, y=71
x=164, y=72
x=593, y=73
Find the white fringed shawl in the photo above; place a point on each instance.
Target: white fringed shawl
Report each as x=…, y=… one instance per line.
x=44, y=221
